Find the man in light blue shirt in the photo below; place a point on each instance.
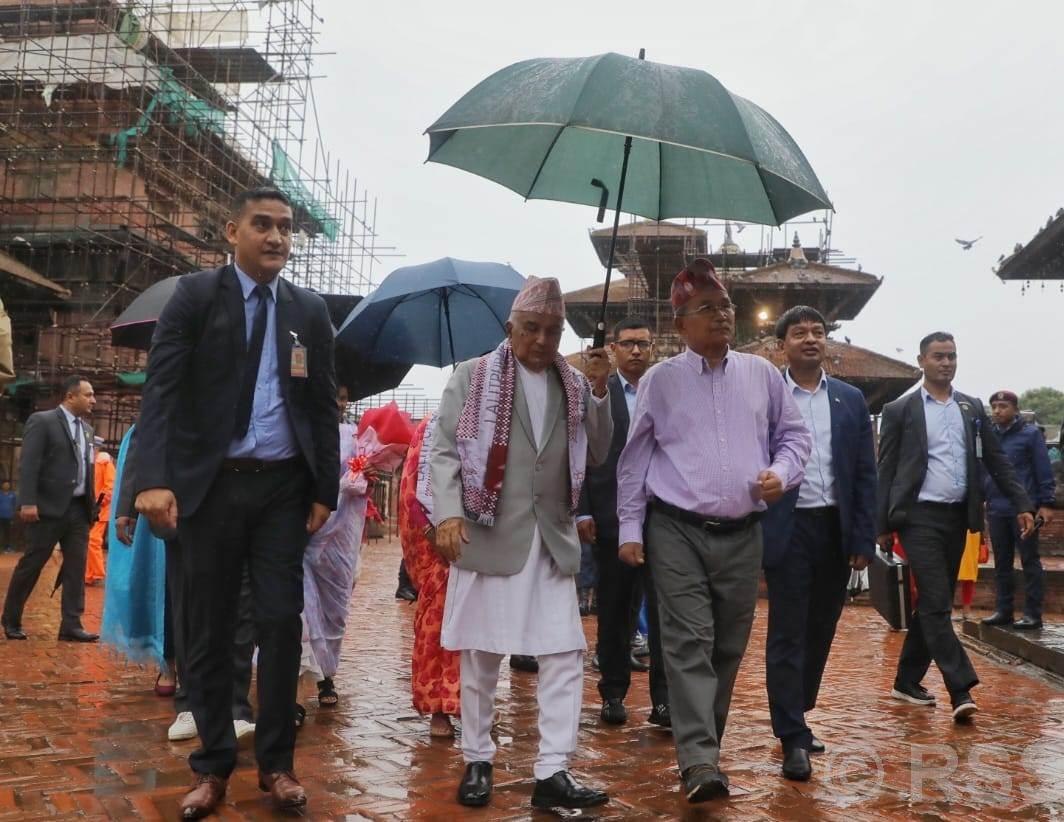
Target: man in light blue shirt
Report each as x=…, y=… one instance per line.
x=946, y=479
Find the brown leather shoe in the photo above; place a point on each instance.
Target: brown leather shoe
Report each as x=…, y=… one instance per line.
x=207, y=793
x=284, y=788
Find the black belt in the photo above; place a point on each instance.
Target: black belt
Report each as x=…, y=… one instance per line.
x=242, y=465
x=944, y=506
x=713, y=525
x=822, y=511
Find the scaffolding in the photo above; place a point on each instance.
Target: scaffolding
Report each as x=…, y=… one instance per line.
x=126, y=129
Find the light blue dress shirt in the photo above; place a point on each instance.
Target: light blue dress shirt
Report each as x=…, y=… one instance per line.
x=947, y=469
x=629, y=395
x=818, y=488
x=77, y=433
x=270, y=435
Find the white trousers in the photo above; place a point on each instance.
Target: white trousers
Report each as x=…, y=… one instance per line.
x=559, y=692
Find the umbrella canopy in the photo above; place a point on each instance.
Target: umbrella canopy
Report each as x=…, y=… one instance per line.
x=546, y=127
x=134, y=328
x=436, y=314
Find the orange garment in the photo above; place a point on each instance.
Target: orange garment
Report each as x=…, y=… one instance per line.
x=105, y=482
x=434, y=671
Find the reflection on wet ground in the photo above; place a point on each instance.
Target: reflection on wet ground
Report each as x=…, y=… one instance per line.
x=83, y=736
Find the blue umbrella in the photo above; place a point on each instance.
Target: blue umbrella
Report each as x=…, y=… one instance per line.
x=436, y=314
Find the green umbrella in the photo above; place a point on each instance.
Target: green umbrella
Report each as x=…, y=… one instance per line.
x=672, y=141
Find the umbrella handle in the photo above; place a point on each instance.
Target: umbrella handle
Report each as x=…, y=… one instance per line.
x=603, y=200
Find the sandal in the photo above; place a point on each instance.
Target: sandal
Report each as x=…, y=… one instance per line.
x=327, y=696
x=301, y=716
x=164, y=690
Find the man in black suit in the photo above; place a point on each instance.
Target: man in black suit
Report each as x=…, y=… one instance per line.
x=931, y=443
x=239, y=448
x=57, y=503
x=618, y=583
x=814, y=535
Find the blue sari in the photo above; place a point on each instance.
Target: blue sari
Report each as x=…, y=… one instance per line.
x=134, y=599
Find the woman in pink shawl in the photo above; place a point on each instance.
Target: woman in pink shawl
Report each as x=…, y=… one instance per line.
x=331, y=561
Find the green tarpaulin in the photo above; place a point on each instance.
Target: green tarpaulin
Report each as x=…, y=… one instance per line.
x=286, y=177
x=131, y=377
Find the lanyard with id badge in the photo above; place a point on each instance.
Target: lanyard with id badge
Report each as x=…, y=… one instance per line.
x=299, y=357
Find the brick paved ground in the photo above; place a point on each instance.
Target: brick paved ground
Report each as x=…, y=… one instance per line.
x=82, y=736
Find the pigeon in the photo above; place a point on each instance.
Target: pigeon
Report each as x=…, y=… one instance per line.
x=967, y=244
x=847, y=340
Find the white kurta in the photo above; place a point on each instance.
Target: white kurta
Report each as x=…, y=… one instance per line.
x=533, y=612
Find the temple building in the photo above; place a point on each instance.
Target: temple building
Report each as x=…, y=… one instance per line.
x=762, y=285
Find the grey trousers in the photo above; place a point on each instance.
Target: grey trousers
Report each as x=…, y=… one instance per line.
x=707, y=596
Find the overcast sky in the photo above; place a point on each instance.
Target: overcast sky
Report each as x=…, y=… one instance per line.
x=924, y=122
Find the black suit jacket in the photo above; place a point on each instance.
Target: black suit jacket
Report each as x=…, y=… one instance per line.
x=48, y=467
x=195, y=370
x=903, y=461
x=598, y=498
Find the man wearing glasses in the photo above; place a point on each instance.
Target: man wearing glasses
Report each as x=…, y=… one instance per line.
x=619, y=584
x=715, y=436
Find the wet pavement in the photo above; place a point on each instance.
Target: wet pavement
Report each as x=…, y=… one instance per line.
x=83, y=737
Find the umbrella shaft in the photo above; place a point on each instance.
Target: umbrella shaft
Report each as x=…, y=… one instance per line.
x=600, y=331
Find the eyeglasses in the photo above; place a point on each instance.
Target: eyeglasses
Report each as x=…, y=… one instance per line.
x=628, y=345
x=725, y=307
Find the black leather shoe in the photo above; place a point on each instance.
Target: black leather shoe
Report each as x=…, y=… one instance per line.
x=964, y=707
x=528, y=664
x=614, y=712
x=11, y=632
x=475, y=788
x=816, y=746
x=561, y=790
x=704, y=782
x=1027, y=624
x=912, y=693
x=660, y=716
x=638, y=665
x=640, y=646
x=77, y=635
x=595, y=662
x=997, y=618
x=406, y=592
x=796, y=765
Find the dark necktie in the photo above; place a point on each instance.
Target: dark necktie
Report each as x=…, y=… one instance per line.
x=79, y=440
x=251, y=364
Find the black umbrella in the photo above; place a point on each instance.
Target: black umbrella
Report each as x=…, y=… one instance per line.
x=135, y=326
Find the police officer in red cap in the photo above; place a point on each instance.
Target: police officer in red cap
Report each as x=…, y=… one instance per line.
x=1027, y=451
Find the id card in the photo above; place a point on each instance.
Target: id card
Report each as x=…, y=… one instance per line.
x=978, y=445
x=299, y=361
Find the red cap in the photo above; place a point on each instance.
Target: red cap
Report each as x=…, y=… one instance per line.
x=1005, y=396
x=698, y=275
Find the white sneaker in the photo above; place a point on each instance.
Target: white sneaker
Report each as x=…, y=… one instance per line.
x=243, y=728
x=184, y=727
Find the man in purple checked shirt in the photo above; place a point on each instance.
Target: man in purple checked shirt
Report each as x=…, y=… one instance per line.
x=715, y=436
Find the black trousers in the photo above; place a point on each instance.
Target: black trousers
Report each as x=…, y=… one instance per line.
x=174, y=642
x=806, y=593
x=933, y=540
x=71, y=531
x=5, y=534
x=618, y=584
x=1006, y=539
x=257, y=520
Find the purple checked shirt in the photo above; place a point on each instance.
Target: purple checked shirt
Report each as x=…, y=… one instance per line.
x=701, y=435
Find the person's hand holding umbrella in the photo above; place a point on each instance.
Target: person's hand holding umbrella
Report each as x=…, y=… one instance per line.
x=596, y=367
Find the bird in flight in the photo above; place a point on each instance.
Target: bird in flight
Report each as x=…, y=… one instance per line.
x=967, y=244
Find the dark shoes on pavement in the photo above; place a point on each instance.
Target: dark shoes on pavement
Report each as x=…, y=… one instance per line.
x=964, y=707
x=914, y=694
x=1027, y=624
x=816, y=746
x=283, y=788
x=203, y=799
x=796, y=765
x=474, y=791
x=613, y=712
x=77, y=635
x=561, y=790
x=660, y=716
x=997, y=618
x=14, y=632
x=406, y=592
x=637, y=665
x=528, y=664
x=704, y=782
